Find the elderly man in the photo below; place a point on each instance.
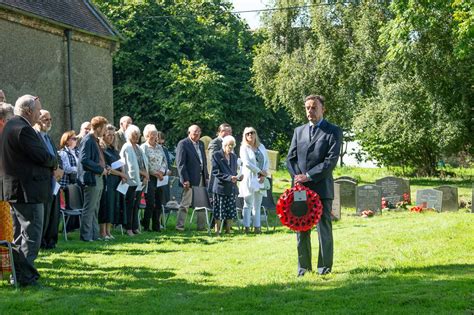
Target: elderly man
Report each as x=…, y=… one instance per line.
x=120, y=137
x=85, y=129
x=312, y=156
x=27, y=165
x=192, y=170
x=51, y=206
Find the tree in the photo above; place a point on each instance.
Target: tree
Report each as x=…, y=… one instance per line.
x=185, y=62
x=422, y=109
x=330, y=50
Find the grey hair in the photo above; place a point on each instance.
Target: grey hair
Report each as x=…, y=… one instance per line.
x=131, y=129
x=6, y=111
x=110, y=127
x=227, y=139
x=149, y=129
x=24, y=103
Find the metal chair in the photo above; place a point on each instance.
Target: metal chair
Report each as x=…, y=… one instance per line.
x=268, y=204
x=74, y=206
x=201, y=202
x=8, y=245
x=176, y=193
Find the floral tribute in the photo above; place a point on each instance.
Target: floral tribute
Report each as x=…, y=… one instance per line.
x=367, y=213
x=405, y=202
x=384, y=204
x=299, y=223
x=416, y=209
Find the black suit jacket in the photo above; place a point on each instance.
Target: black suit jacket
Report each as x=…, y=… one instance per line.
x=26, y=163
x=89, y=159
x=316, y=157
x=188, y=164
x=223, y=172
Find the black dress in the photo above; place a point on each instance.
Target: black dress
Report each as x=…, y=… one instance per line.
x=112, y=202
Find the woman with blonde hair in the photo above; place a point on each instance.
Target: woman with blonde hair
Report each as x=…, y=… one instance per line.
x=254, y=169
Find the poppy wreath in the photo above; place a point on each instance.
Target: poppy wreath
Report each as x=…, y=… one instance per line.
x=305, y=222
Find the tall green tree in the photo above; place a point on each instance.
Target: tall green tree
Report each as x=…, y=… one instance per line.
x=422, y=109
x=330, y=50
x=184, y=62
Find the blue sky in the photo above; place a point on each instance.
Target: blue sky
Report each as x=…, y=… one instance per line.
x=252, y=18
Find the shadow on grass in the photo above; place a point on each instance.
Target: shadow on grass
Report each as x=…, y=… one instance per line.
x=80, y=286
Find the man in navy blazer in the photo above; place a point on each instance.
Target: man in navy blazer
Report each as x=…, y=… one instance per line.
x=313, y=154
x=192, y=170
x=27, y=166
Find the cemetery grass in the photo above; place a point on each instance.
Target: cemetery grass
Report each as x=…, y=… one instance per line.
x=396, y=263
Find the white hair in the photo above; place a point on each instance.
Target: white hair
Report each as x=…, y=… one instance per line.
x=24, y=103
x=149, y=129
x=131, y=129
x=227, y=139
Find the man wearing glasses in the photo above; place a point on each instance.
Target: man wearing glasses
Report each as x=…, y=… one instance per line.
x=27, y=165
x=51, y=206
x=313, y=154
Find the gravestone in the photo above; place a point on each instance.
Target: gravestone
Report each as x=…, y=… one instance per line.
x=273, y=157
x=450, y=198
x=393, y=189
x=348, y=191
x=336, y=203
x=352, y=179
x=429, y=198
x=368, y=197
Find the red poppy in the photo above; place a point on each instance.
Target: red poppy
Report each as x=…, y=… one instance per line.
x=299, y=223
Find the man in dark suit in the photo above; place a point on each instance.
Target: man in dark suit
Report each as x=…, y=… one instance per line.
x=27, y=167
x=192, y=169
x=51, y=206
x=313, y=154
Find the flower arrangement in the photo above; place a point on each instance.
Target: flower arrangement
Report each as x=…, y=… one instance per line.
x=416, y=209
x=385, y=204
x=367, y=213
x=405, y=202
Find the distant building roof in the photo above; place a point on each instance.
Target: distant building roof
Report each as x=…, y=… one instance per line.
x=80, y=14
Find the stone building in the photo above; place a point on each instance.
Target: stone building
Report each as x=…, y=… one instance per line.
x=62, y=52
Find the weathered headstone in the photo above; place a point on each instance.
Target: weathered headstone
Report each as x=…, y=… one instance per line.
x=393, y=189
x=336, y=203
x=348, y=191
x=450, y=198
x=368, y=197
x=352, y=179
x=429, y=198
x=273, y=160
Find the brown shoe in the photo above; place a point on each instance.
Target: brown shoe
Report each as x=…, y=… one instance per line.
x=257, y=230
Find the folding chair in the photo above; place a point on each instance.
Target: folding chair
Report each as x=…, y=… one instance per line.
x=12, y=264
x=268, y=204
x=176, y=192
x=74, y=206
x=201, y=202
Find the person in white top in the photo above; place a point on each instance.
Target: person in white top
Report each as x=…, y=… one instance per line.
x=254, y=168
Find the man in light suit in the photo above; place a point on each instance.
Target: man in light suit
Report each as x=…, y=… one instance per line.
x=51, y=206
x=27, y=167
x=192, y=169
x=120, y=138
x=313, y=154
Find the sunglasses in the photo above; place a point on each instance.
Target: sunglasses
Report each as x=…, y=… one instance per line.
x=250, y=133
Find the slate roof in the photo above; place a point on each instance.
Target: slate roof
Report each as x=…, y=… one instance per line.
x=80, y=14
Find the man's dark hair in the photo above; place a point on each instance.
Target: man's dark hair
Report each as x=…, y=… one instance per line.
x=313, y=97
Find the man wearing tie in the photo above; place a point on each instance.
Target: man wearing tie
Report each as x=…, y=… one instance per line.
x=313, y=154
x=27, y=167
x=192, y=169
x=51, y=206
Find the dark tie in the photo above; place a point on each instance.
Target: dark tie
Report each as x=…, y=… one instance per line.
x=313, y=131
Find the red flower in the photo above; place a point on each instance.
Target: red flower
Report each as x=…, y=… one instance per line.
x=416, y=209
x=305, y=222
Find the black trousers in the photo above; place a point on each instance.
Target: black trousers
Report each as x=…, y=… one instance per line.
x=51, y=222
x=326, y=242
x=132, y=201
x=28, y=227
x=154, y=198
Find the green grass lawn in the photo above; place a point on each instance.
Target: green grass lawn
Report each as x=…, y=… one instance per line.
x=396, y=263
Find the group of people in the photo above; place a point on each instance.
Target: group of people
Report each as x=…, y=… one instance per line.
x=100, y=159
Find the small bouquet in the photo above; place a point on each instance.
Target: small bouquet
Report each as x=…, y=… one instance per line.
x=367, y=213
x=416, y=209
x=405, y=202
